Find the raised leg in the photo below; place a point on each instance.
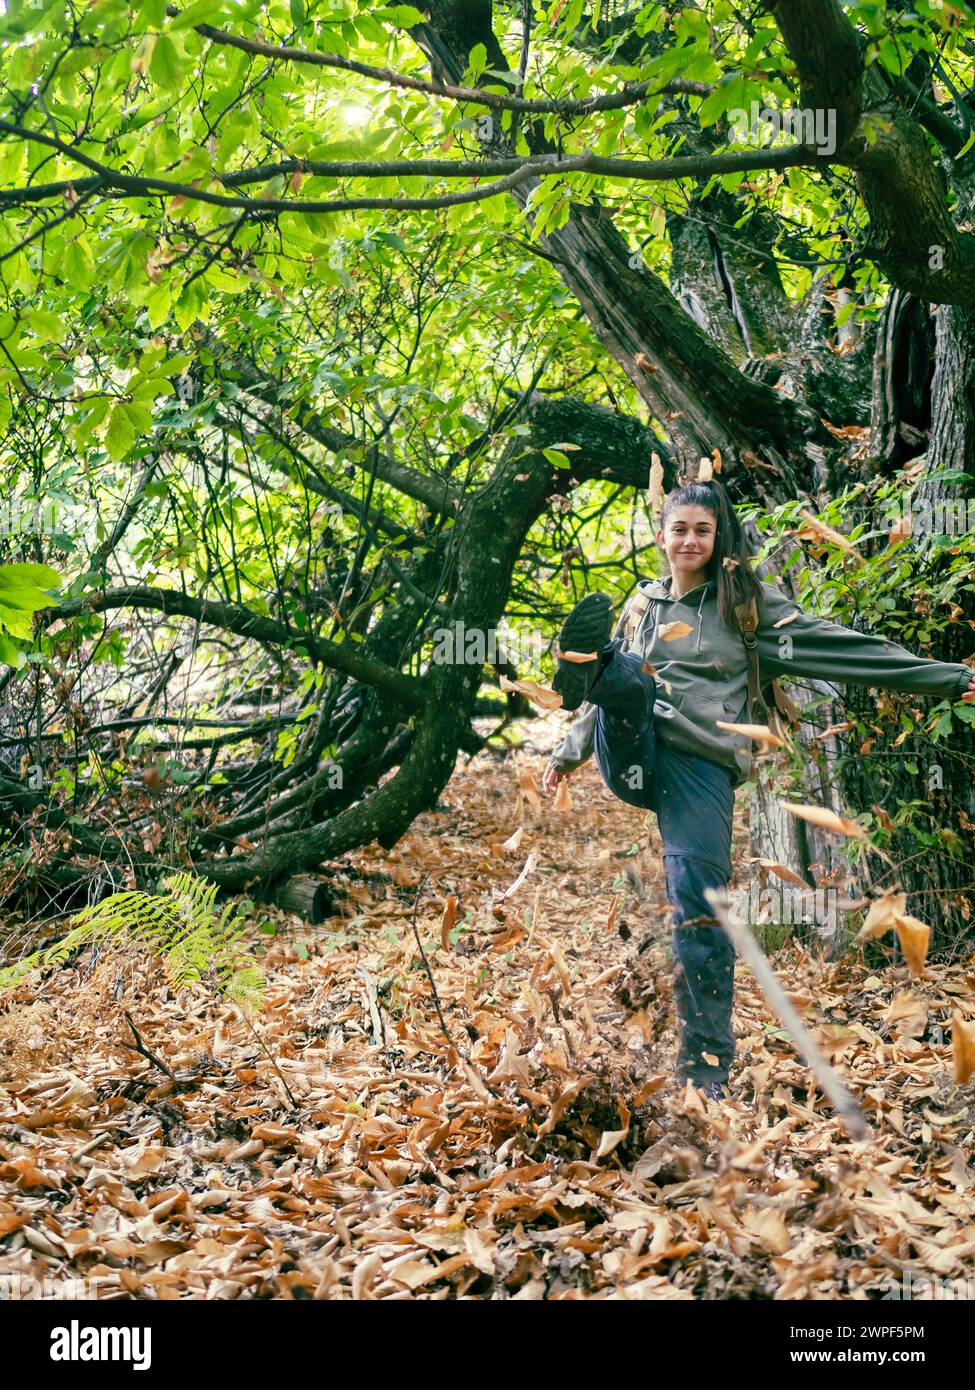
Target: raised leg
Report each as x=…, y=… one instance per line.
x=623, y=738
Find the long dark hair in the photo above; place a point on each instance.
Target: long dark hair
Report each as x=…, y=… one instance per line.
x=738, y=584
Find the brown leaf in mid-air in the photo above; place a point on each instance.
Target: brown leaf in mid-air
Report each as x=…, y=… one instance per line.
x=914, y=936
x=881, y=915
x=539, y=695
x=962, y=1048
x=761, y=733
x=531, y=790
x=889, y=913
x=826, y=819
x=834, y=729
x=901, y=530
x=649, y=670
x=448, y=919
x=656, y=496
x=577, y=658
x=782, y=871
x=529, y=866
x=671, y=631
x=813, y=529
x=563, y=801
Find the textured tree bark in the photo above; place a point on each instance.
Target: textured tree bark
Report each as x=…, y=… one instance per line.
x=945, y=778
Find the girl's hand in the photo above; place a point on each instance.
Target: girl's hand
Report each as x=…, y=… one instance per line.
x=552, y=776
x=969, y=694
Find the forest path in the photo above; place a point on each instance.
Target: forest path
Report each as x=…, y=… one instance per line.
x=556, y=1159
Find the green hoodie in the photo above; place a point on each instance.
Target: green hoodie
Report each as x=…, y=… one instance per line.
x=707, y=670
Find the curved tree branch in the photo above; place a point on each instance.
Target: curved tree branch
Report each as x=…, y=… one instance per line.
x=232, y=617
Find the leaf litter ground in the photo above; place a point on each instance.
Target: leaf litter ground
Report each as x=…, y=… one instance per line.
x=544, y=1151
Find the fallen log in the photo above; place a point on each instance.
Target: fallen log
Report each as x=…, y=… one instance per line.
x=312, y=898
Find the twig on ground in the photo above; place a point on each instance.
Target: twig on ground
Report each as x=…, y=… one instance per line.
x=467, y=1065
x=141, y=1048
x=267, y=1053
x=378, y=1028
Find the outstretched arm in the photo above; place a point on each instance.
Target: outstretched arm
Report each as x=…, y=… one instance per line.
x=791, y=643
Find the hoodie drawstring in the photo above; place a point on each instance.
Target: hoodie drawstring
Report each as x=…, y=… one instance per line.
x=700, y=620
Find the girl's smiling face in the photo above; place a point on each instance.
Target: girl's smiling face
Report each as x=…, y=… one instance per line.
x=688, y=542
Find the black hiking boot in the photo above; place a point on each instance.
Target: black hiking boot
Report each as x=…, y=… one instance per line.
x=587, y=629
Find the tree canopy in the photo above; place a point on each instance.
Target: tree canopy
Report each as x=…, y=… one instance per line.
x=324, y=326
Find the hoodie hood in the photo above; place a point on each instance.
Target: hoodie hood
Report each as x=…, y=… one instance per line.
x=660, y=591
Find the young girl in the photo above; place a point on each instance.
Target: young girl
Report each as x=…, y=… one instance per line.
x=656, y=738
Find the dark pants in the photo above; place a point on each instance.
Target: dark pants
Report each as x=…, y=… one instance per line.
x=693, y=800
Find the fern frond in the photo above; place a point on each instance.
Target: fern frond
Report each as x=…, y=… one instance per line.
x=182, y=924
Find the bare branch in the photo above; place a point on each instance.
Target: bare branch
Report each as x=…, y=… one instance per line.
x=232, y=617
x=629, y=95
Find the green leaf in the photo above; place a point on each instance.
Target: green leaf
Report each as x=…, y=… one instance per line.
x=17, y=622
x=403, y=16
x=47, y=326
x=732, y=92
x=20, y=584
x=166, y=67
x=120, y=435
x=9, y=654
x=23, y=592
x=966, y=147
x=159, y=303
x=76, y=264
x=478, y=60
x=202, y=12
x=556, y=458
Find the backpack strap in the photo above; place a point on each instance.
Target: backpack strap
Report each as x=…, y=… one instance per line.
x=747, y=614
x=784, y=711
x=632, y=616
